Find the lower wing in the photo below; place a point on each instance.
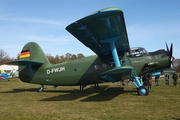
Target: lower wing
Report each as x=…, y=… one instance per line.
x=117, y=74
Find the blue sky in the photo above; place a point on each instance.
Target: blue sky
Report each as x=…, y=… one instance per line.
x=149, y=23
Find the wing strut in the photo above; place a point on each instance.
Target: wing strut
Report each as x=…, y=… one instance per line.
x=111, y=42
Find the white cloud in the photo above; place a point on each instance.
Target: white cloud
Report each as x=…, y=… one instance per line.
x=47, y=38
x=32, y=20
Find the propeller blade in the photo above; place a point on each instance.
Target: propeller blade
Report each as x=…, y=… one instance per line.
x=171, y=50
x=167, y=49
x=172, y=62
x=169, y=53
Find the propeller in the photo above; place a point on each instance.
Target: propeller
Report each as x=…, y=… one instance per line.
x=169, y=53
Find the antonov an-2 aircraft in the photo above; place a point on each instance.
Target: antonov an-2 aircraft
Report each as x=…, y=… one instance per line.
x=104, y=32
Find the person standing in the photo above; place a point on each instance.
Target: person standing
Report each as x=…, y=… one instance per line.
x=167, y=79
x=157, y=80
x=145, y=80
x=149, y=77
x=175, y=77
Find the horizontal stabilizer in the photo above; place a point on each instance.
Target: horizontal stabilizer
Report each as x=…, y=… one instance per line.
x=156, y=73
x=24, y=62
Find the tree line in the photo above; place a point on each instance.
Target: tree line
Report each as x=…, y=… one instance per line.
x=63, y=58
x=4, y=57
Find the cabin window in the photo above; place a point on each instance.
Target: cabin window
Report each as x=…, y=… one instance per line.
x=137, y=52
x=100, y=66
x=97, y=67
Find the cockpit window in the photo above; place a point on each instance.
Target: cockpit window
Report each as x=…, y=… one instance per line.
x=137, y=52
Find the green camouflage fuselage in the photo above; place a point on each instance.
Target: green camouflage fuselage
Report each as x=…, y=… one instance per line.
x=87, y=70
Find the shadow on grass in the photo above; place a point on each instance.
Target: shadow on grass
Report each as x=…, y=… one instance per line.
x=90, y=94
x=105, y=93
x=176, y=118
x=21, y=90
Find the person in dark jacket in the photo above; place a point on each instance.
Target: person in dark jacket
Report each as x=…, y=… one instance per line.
x=157, y=80
x=145, y=80
x=167, y=79
x=175, y=77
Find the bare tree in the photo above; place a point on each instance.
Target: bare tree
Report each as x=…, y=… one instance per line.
x=56, y=59
x=3, y=57
x=68, y=56
x=63, y=58
x=50, y=58
x=73, y=57
x=80, y=55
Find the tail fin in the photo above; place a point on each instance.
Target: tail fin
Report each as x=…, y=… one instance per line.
x=32, y=51
x=30, y=60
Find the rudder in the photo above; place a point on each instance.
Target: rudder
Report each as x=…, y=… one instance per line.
x=30, y=60
x=32, y=51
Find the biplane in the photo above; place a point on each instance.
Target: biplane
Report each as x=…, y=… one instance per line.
x=104, y=32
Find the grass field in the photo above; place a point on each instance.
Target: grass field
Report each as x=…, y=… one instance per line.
x=21, y=101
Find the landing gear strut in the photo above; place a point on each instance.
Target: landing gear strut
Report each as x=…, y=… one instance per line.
x=41, y=89
x=141, y=90
x=81, y=88
x=96, y=86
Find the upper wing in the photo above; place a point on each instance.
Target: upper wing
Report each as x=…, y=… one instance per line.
x=93, y=30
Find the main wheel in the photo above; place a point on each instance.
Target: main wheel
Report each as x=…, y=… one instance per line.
x=41, y=89
x=143, y=91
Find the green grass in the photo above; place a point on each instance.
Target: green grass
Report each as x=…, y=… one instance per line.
x=21, y=101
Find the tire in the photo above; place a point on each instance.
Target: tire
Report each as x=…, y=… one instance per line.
x=143, y=91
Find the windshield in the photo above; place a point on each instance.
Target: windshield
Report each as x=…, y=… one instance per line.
x=139, y=51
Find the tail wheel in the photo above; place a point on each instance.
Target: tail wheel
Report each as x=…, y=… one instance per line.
x=143, y=91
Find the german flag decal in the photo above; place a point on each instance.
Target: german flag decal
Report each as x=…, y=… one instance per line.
x=24, y=54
